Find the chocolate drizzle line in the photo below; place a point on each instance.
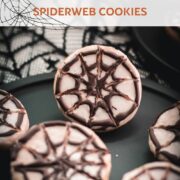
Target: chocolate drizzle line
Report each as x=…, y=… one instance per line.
x=5, y=112
x=175, y=129
x=167, y=171
x=60, y=164
x=94, y=86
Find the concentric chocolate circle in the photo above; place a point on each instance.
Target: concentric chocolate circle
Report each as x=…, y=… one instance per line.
x=164, y=135
x=60, y=151
x=99, y=87
x=14, y=121
x=154, y=171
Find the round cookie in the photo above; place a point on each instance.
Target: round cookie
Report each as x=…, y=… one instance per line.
x=154, y=171
x=99, y=87
x=60, y=150
x=164, y=135
x=14, y=121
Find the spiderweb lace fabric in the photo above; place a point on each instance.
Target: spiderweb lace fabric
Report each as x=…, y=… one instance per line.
x=28, y=51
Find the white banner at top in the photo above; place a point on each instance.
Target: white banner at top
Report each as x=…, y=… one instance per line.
x=89, y=13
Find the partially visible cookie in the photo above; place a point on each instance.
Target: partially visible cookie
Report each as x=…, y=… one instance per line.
x=59, y=150
x=154, y=171
x=14, y=121
x=164, y=135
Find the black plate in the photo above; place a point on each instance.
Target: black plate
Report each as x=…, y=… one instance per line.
x=161, y=53
x=128, y=145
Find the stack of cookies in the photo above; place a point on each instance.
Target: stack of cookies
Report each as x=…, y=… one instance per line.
x=99, y=90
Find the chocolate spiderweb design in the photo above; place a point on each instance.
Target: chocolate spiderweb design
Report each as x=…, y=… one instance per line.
x=20, y=13
x=11, y=114
x=169, y=146
x=164, y=172
x=95, y=86
x=64, y=151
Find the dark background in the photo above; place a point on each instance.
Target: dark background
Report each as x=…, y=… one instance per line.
x=30, y=51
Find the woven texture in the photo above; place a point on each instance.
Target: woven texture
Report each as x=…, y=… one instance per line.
x=30, y=51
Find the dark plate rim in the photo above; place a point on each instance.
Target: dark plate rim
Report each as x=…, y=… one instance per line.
x=48, y=77
x=149, y=51
x=32, y=80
